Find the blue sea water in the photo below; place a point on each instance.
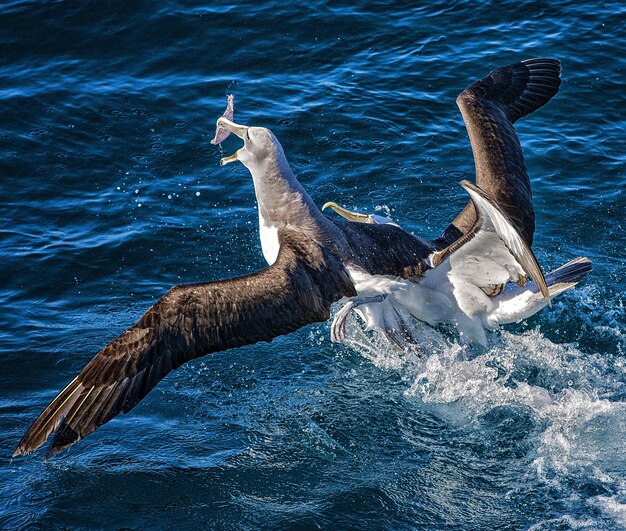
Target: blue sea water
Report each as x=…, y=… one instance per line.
x=111, y=193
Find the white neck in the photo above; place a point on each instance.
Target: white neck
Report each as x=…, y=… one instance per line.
x=281, y=199
x=282, y=202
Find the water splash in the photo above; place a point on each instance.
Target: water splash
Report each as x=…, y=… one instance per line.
x=573, y=397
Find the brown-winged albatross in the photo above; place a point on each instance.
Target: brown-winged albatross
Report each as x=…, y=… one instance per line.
x=473, y=276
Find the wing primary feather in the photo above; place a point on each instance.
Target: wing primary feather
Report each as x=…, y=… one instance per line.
x=76, y=408
x=490, y=107
x=48, y=420
x=91, y=411
x=190, y=321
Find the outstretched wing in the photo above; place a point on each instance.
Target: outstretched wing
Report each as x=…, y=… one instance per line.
x=490, y=107
x=491, y=254
x=188, y=322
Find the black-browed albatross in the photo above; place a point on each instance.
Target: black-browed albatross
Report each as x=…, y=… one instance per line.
x=473, y=276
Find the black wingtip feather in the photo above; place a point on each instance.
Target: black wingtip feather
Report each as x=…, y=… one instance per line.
x=541, y=81
x=521, y=88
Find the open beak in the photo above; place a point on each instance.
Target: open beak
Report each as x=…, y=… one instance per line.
x=232, y=127
x=227, y=160
x=347, y=214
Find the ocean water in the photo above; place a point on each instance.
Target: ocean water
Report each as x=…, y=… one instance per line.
x=111, y=193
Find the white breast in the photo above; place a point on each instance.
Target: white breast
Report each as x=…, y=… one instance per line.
x=433, y=299
x=367, y=285
x=269, y=240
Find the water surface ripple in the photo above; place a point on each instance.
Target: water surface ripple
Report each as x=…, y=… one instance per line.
x=111, y=193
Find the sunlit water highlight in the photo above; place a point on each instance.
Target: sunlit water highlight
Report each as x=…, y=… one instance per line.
x=111, y=193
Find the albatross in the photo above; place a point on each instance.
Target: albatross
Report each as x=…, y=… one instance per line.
x=480, y=273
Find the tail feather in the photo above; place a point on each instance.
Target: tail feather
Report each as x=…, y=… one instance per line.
x=568, y=275
x=564, y=277
x=516, y=303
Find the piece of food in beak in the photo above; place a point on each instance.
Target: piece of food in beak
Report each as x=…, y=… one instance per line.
x=221, y=133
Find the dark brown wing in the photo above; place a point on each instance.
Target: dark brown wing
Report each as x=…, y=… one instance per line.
x=386, y=249
x=188, y=322
x=490, y=107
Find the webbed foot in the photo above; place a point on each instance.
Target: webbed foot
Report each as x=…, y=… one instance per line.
x=338, y=327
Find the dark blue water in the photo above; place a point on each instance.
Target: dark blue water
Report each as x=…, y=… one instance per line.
x=111, y=193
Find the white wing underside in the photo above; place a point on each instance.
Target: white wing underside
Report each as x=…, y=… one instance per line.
x=483, y=269
x=474, y=272
x=473, y=284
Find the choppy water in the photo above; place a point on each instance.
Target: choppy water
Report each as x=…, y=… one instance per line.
x=110, y=193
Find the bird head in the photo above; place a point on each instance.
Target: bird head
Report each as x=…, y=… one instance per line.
x=259, y=145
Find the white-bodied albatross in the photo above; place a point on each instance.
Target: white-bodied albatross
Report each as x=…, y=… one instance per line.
x=471, y=277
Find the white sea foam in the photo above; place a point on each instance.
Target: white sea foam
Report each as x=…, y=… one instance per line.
x=573, y=396
x=612, y=506
x=566, y=522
